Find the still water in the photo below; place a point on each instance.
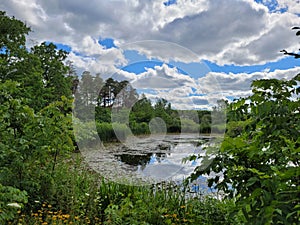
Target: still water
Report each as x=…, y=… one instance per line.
x=153, y=159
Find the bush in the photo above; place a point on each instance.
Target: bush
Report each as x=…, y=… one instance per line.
x=189, y=126
x=259, y=157
x=139, y=128
x=11, y=200
x=112, y=132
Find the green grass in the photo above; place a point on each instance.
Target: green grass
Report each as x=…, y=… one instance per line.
x=81, y=196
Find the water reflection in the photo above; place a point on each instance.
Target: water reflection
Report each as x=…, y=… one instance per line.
x=134, y=160
x=164, y=161
x=148, y=160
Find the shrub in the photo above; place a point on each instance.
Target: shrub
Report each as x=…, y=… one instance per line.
x=112, y=132
x=11, y=201
x=189, y=126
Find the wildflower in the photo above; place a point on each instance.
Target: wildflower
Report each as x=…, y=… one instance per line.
x=15, y=205
x=67, y=216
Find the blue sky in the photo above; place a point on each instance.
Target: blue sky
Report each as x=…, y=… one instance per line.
x=191, y=68
x=187, y=51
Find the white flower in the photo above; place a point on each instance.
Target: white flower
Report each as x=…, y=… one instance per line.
x=15, y=204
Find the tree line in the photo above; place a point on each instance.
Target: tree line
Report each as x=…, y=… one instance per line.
x=93, y=94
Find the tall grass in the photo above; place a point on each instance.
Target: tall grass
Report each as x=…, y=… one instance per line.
x=108, y=132
x=81, y=196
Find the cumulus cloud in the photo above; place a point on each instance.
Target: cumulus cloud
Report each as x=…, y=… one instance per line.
x=162, y=77
x=238, y=85
x=163, y=50
x=185, y=92
x=292, y=6
x=233, y=31
x=239, y=32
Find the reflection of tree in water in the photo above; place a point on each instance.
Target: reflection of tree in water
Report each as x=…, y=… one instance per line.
x=142, y=160
x=134, y=160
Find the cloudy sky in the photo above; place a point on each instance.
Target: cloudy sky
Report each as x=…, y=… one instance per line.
x=190, y=52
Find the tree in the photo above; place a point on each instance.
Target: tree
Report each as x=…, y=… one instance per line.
x=17, y=64
x=128, y=95
x=35, y=121
x=87, y=95
x=97, y=85
x=86, y=88
x=107, y=93
x=259, y=157
x=120, y=94
x=56, y=82
x=29, y=140
x=12, y=39
x=142, y=111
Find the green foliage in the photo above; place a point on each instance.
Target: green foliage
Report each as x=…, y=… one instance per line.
x=35, y=124
x=84, y=132
x=11, y=200
x=40, y=181
x=189, y=126
x=205, y=122
x=82, y=197
x=12, y=38
x=108, y=132
x=56, y=84
x=31, y=142
x=164, y=207
x=103, y=114
x=39, y=72
x=142, y=111
x=259, y=156
x=139, y=128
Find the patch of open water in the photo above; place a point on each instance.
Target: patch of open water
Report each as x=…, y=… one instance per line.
x=154, y=159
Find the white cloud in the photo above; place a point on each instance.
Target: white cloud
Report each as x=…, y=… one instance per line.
x=225, y=32
x=238, y=85
x=162, y=77
x=162, y=50
x=32, y=12
x=293, y=6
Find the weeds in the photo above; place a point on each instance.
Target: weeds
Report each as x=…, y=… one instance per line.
x=80, y=196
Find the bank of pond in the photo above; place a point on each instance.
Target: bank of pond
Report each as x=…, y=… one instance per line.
x=81, y=196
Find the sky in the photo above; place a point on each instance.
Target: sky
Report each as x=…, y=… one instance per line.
x=190, y=52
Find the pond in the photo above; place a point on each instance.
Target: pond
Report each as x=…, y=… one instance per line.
x=154, y=159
